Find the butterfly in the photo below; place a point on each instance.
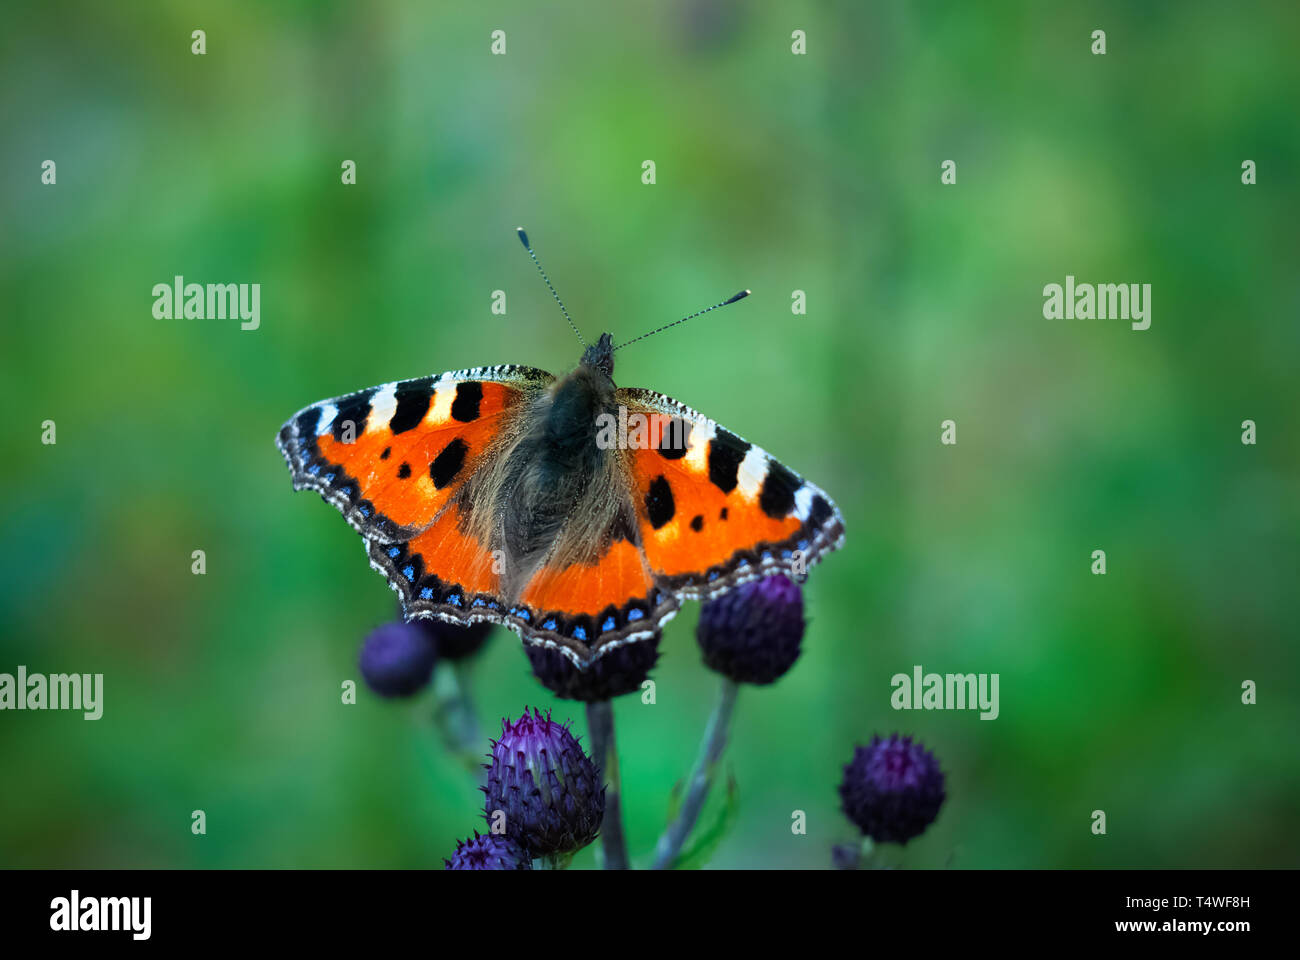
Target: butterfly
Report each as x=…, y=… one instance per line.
x=577, y=513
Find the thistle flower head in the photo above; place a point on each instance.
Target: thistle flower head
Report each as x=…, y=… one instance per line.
x=892, y=789
x=752, y=633
x=396, y=660
x=490, y=852
x=544, y=785
x=621, y=670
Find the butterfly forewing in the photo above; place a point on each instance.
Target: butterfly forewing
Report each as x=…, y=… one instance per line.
x=391, y=457
x=716, y=511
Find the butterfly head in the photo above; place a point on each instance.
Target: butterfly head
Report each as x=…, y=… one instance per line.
x=600, y=355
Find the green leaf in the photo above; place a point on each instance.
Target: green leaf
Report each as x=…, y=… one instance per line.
x=704, y=840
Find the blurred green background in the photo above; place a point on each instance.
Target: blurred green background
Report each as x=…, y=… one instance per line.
x=776, y=172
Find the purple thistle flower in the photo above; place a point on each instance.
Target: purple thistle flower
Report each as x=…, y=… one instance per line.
x=491, y=852
x=397, y=660
x=752, y=633
x=621, y=670
x=892, y=789
x=545, y=785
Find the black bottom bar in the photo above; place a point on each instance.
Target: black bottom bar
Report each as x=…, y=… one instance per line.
x=335, y=908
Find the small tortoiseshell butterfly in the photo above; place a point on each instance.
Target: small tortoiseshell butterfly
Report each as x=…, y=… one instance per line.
x=502, y=494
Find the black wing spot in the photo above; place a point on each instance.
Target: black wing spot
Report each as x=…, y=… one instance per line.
x=697, y=522
x=468, y=397
x=404, y=471
x=723, y=514
x=777, y=496
x=674, y=439
x=659, y=502
x=448, y=463
x=412, y=404
x=387, y=451
x=355, y=410
x=726, y=451
x=308, y=420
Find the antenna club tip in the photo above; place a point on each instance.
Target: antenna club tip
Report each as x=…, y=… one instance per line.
x=740, y=296
x=523, y=237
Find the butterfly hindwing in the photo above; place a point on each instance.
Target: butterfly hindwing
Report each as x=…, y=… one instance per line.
x=444, y=571
x=716, y=511
x=589, y=608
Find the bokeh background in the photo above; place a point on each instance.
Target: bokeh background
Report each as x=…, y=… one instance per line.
x=776, y=172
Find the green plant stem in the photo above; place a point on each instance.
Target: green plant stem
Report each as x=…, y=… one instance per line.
x=454, y=715
x=867, y=854
x=701, y=778
x=600, y=727
x=554, y=861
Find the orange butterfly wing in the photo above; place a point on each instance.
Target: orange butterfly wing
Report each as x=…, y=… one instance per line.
x=392, y=458
x=586, y=609
x=716, y=511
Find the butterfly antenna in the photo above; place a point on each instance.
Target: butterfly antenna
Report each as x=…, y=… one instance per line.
x=740, y=296
x=523, y=238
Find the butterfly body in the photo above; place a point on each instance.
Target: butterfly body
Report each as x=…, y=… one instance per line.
x=496, y=494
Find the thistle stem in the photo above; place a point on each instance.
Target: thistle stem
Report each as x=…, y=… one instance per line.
x=553, y=861
x=600, y=727
x=701, y=778
x=454, y=714
x=867, y=854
